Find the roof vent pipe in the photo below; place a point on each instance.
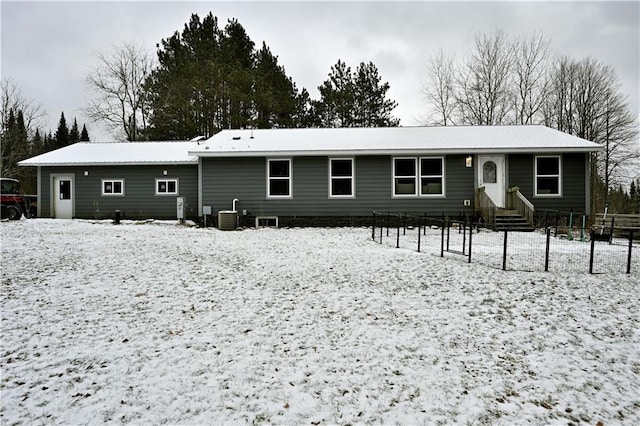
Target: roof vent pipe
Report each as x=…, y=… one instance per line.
x=234, y=204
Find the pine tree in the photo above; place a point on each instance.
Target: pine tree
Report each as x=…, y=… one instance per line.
x=274, y=94
x=62, y=134
x=354, y=100
x=74, y=133
x=371, y=106
x=14, y=144
x=84, y=135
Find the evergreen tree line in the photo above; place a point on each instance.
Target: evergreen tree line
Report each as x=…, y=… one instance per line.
x=19, y=141
x=208, y=78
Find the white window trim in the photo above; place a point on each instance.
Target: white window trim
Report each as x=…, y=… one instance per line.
x=111, y=194
x=352, y=177
x=290, y=178
x=441, y=176
x=558, y=176
x=394, y=177
x=161, y=194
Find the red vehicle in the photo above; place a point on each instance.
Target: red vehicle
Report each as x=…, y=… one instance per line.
x=13, y=203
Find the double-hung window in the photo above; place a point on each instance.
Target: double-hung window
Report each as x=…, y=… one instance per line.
x=548, y=178
x=166, y=186
x=432, y=176
x=341, y=182
x=418, y=176
x=404, y=176
x=279, y=178
x=112, y=186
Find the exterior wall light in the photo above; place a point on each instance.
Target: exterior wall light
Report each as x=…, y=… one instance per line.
x=468, y=162
x=86, y=172
x=164, y=172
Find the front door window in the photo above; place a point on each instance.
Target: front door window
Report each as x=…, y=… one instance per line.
x=489, y=172
x=65, y=189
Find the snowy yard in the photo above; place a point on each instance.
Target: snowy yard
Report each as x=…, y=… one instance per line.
x=156, y=323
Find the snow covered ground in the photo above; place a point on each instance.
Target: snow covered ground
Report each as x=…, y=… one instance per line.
x=155, y=323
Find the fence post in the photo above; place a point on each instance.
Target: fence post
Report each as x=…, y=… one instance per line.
x=381, y=227
x=404, y=223
x=373, y=230
x=442, y=241
x=398, y=233
x=448, y=233
x=591, y=256
x=470, y=239
x=425, y=225
x=419, y=226
x=464, y=236
x=546, y=251
x=629, y=254
x=388, y=224
x=504, y=253
x=613, y=218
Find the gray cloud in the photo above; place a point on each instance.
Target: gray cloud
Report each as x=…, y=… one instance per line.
x=48, y=48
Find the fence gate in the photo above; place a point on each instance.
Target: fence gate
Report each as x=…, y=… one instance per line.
x=456, y=238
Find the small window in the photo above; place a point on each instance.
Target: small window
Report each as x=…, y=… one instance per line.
x=112, y=187
x=431, y=176
x=341, y=177
x=404, y=176
x=166, y=187
x=279, y=178
x=65, y=189
x=547, y=176
x=489, y=172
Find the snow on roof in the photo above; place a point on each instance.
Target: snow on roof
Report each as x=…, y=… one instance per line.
x=88, y=153
x=391, y=140
x=332, y=141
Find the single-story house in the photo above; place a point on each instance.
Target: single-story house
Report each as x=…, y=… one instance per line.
x=303, y=176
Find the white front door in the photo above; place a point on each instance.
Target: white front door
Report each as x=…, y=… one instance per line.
x=63, y=197
x=491, y=175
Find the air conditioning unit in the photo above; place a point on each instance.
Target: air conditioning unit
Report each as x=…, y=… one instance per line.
x=227, y=220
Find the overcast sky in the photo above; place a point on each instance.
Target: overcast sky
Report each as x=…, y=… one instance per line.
x=48, y=48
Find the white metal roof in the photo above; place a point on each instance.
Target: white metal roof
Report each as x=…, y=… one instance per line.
x=132, y=153
x=391, y=140
x=332, y=141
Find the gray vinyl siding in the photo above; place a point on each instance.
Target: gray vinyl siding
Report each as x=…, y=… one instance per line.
x=225, y=179
x=139, y=199
x=574, y=190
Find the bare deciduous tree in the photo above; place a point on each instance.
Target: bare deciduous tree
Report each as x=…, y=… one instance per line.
x=530, y=56
x=483, y=96
x=441, y=92
x=118, y=84
x=11, y=98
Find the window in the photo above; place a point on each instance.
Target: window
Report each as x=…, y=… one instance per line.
x=112, y=187
x=547, y=176
x=166, y=187
x=341, y=177
x=65, y=189
x=279, y=178
x=404, y=176
x=406, y=171
x=431, y=176
x=489, y=172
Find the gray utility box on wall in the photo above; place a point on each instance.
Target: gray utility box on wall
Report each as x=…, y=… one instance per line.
x=180, y=204
x=227, y=220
